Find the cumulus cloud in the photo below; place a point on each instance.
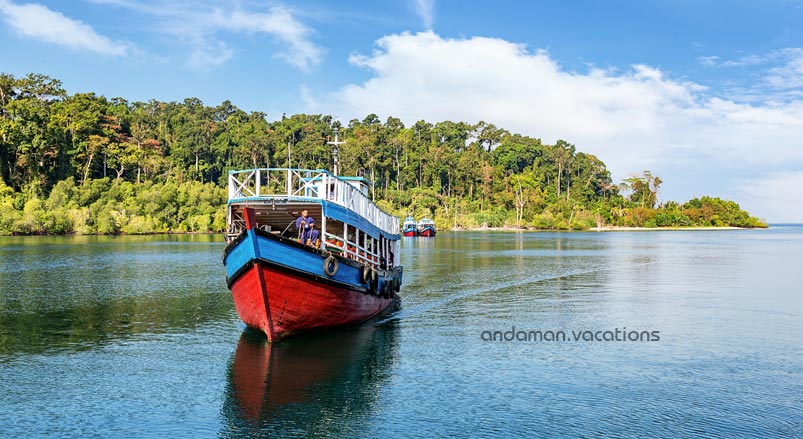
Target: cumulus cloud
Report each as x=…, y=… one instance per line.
x=634, y=120
x=37, y=21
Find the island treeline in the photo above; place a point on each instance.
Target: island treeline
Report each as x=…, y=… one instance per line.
x=83, y=163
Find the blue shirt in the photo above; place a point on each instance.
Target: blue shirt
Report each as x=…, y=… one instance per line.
x=308, y=222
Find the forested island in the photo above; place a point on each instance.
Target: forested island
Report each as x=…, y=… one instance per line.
x=86, y=164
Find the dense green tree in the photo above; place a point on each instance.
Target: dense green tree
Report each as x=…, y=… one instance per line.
x=83, y=163
x=643, y=189
x=32, y=146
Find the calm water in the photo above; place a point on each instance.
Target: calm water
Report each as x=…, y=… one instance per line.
x=138, y=337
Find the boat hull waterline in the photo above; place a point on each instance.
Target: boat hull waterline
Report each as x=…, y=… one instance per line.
x=281, y=304
x=428, y=232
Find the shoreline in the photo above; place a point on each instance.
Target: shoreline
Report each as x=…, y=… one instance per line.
x=669, y=228
x=599, y=229
x=112, y=234
x=453, y=229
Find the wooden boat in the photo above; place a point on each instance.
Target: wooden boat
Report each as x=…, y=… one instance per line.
x=426, y=227
x=409, y=227
x=283, y=286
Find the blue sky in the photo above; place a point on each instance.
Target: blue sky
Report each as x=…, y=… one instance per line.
x=707, y=95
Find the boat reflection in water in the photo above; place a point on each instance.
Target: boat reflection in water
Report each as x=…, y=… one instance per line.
x=310, y=386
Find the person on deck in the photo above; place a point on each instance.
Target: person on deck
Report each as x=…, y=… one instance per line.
x=303, y=225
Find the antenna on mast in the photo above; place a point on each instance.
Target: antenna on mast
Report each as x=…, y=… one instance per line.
x=336, y=143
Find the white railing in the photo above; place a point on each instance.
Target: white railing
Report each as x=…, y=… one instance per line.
x=351, y=249
x=283, y=183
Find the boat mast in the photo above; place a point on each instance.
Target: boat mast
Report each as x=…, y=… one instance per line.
x=336, y=143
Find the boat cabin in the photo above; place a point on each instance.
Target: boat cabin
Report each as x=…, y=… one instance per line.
x=349, y=223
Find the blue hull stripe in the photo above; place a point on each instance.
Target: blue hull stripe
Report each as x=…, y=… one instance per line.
x=299, y=259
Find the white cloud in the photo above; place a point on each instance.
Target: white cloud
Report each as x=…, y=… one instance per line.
x=709, y=61
x=764, y=193
x=635, y=120
x=750, y=60
x=790, y=74
x=209, y=54
x=37, y=21
x=784, y=67
x=202, y=25
x=280, y=23
x=425, y=10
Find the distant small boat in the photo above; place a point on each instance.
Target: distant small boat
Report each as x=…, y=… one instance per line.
x=409, y=227
x=426, y=227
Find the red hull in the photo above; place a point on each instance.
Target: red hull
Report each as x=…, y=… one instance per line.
x=281, y=304
x=428, y=233
x=410, y=233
